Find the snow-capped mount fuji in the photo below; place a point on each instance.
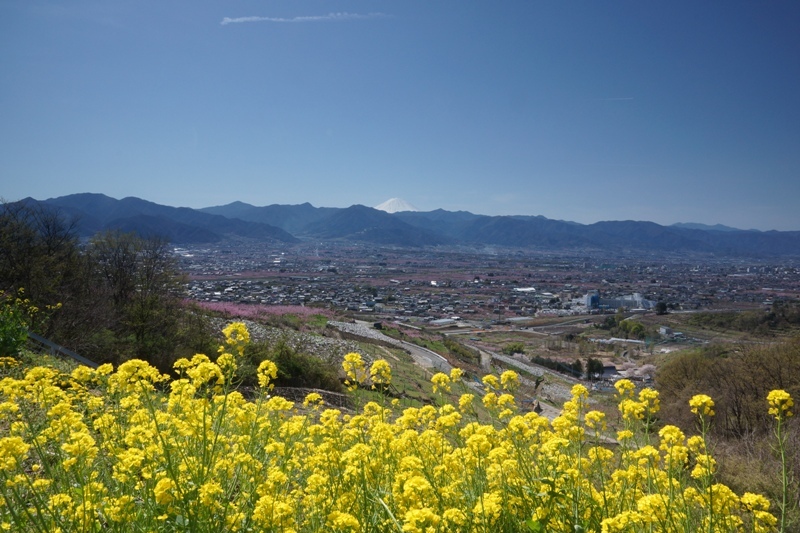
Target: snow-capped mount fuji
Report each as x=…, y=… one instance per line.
x=395, y=205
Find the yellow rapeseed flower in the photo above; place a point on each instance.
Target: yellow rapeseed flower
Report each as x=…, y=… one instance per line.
x=632, y=410
x=595, y=420
x=490, y=382
x=621, y=522
x=490, y=400
x=120, y=509
x=274, y=512
x=509, y=380
x=649, y=398
x=441, y=382
x=83, y=374
x=487, y=510
x=135, y=376
x=313, y=399
x=344, y=522
x=625, y=388
x=506, y=400
x=80, y=445
x=579, y=391
x=696, y=444
x=207, y=374
x=8, y=362
x=12, y=451
x=354, y=369
x=209, y=493
x=237, y=337
x=455, y=518
x=702, y=404
x=755, y=502
x=227, y=363
x=465, y=401
x=653, y=508
x=448, y=420
x=706, y=466
x=266, y=372
x=422, y=520
x=624, y=434
x=780, y=403
x=670, y=436
x=163, y=491
x=380, y=372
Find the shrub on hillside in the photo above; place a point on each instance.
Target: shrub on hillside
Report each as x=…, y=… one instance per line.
x=295, y=369
x=16, y=314
x=465, y=353
x=737, y=377
x=513, y=347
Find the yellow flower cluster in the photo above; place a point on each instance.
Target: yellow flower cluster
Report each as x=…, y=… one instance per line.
x=98, y=451
x=780, y=404
x=509, y=380
x=441, y=382
x=267, y=372
x=702, y=405
x=237, y=337
x=355, y=370
x=380, y=372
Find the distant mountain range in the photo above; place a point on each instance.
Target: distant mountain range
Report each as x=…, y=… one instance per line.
x=294, y=223
x=706, y=227
x=181, y=225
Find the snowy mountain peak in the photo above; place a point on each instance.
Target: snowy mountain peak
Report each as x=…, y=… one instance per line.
x=393, y=205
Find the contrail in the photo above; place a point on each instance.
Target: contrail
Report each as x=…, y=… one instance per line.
x=313, y=18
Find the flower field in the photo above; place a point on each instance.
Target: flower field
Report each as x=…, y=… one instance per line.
x=133, y=450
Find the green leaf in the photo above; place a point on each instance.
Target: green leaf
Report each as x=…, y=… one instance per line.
x=535, y=525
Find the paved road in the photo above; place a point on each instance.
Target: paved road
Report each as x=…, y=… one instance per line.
x=423, y=357
x=427, y=358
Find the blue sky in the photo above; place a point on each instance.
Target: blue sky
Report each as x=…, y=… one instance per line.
x=678, y=111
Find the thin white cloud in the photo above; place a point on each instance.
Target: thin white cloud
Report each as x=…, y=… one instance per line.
x=312, y=18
